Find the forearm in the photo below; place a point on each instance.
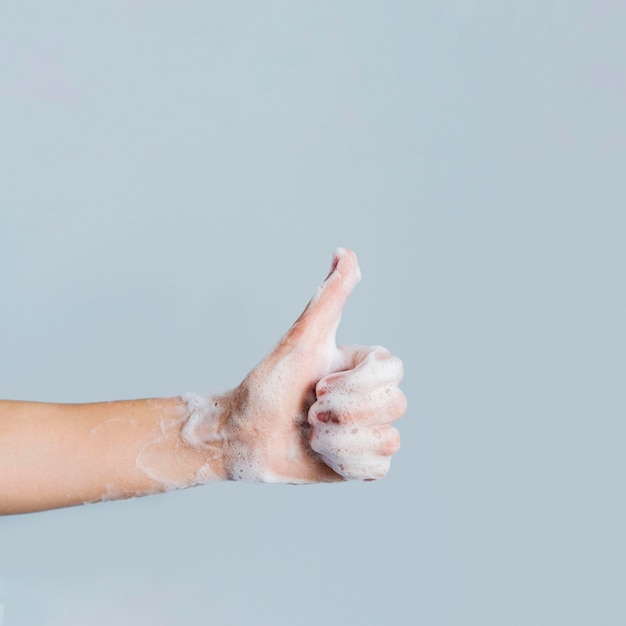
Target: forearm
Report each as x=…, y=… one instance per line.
x=55, y=455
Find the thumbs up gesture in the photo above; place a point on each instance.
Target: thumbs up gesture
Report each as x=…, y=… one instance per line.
x=312, y=411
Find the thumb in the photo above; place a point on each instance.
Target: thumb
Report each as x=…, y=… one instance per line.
x=320, y=319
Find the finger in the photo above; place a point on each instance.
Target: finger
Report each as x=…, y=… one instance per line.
x=378, y=406
x=359, y=468
x=368, y=393
x=320, y=319
x=341, y=441
x=363, y=369
x=358, y=454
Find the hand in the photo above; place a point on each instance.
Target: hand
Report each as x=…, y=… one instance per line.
x=313, y=412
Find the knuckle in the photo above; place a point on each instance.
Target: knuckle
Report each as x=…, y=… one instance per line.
x=385, y=364
x=401, y=404
x=392, y=442
x=397, y=367
x=378, y=471
x=329, y=384
x=321, y=389
x=325, y=417
x=320, y=413
x=379, y=353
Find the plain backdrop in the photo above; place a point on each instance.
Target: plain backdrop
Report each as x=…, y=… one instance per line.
x=174, y=177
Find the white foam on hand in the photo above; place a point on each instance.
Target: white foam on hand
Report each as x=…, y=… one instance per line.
x=314, y=412
x=309, y=412
x=351, y=418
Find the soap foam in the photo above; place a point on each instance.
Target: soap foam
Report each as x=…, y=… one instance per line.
x=347, y=424
x=199, y=428
x=355, y=453
x=249, y=435
x=156, y=465
x=350, y=418
x=202, y=429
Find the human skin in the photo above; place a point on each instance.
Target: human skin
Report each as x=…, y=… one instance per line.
x=309, y=412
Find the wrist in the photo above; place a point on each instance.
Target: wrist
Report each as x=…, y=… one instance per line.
x=203, y=435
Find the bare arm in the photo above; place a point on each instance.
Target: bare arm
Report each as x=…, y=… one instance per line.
x=54, y=455
x=309, y=412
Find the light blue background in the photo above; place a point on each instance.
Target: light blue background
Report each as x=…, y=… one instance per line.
x=173, y=179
